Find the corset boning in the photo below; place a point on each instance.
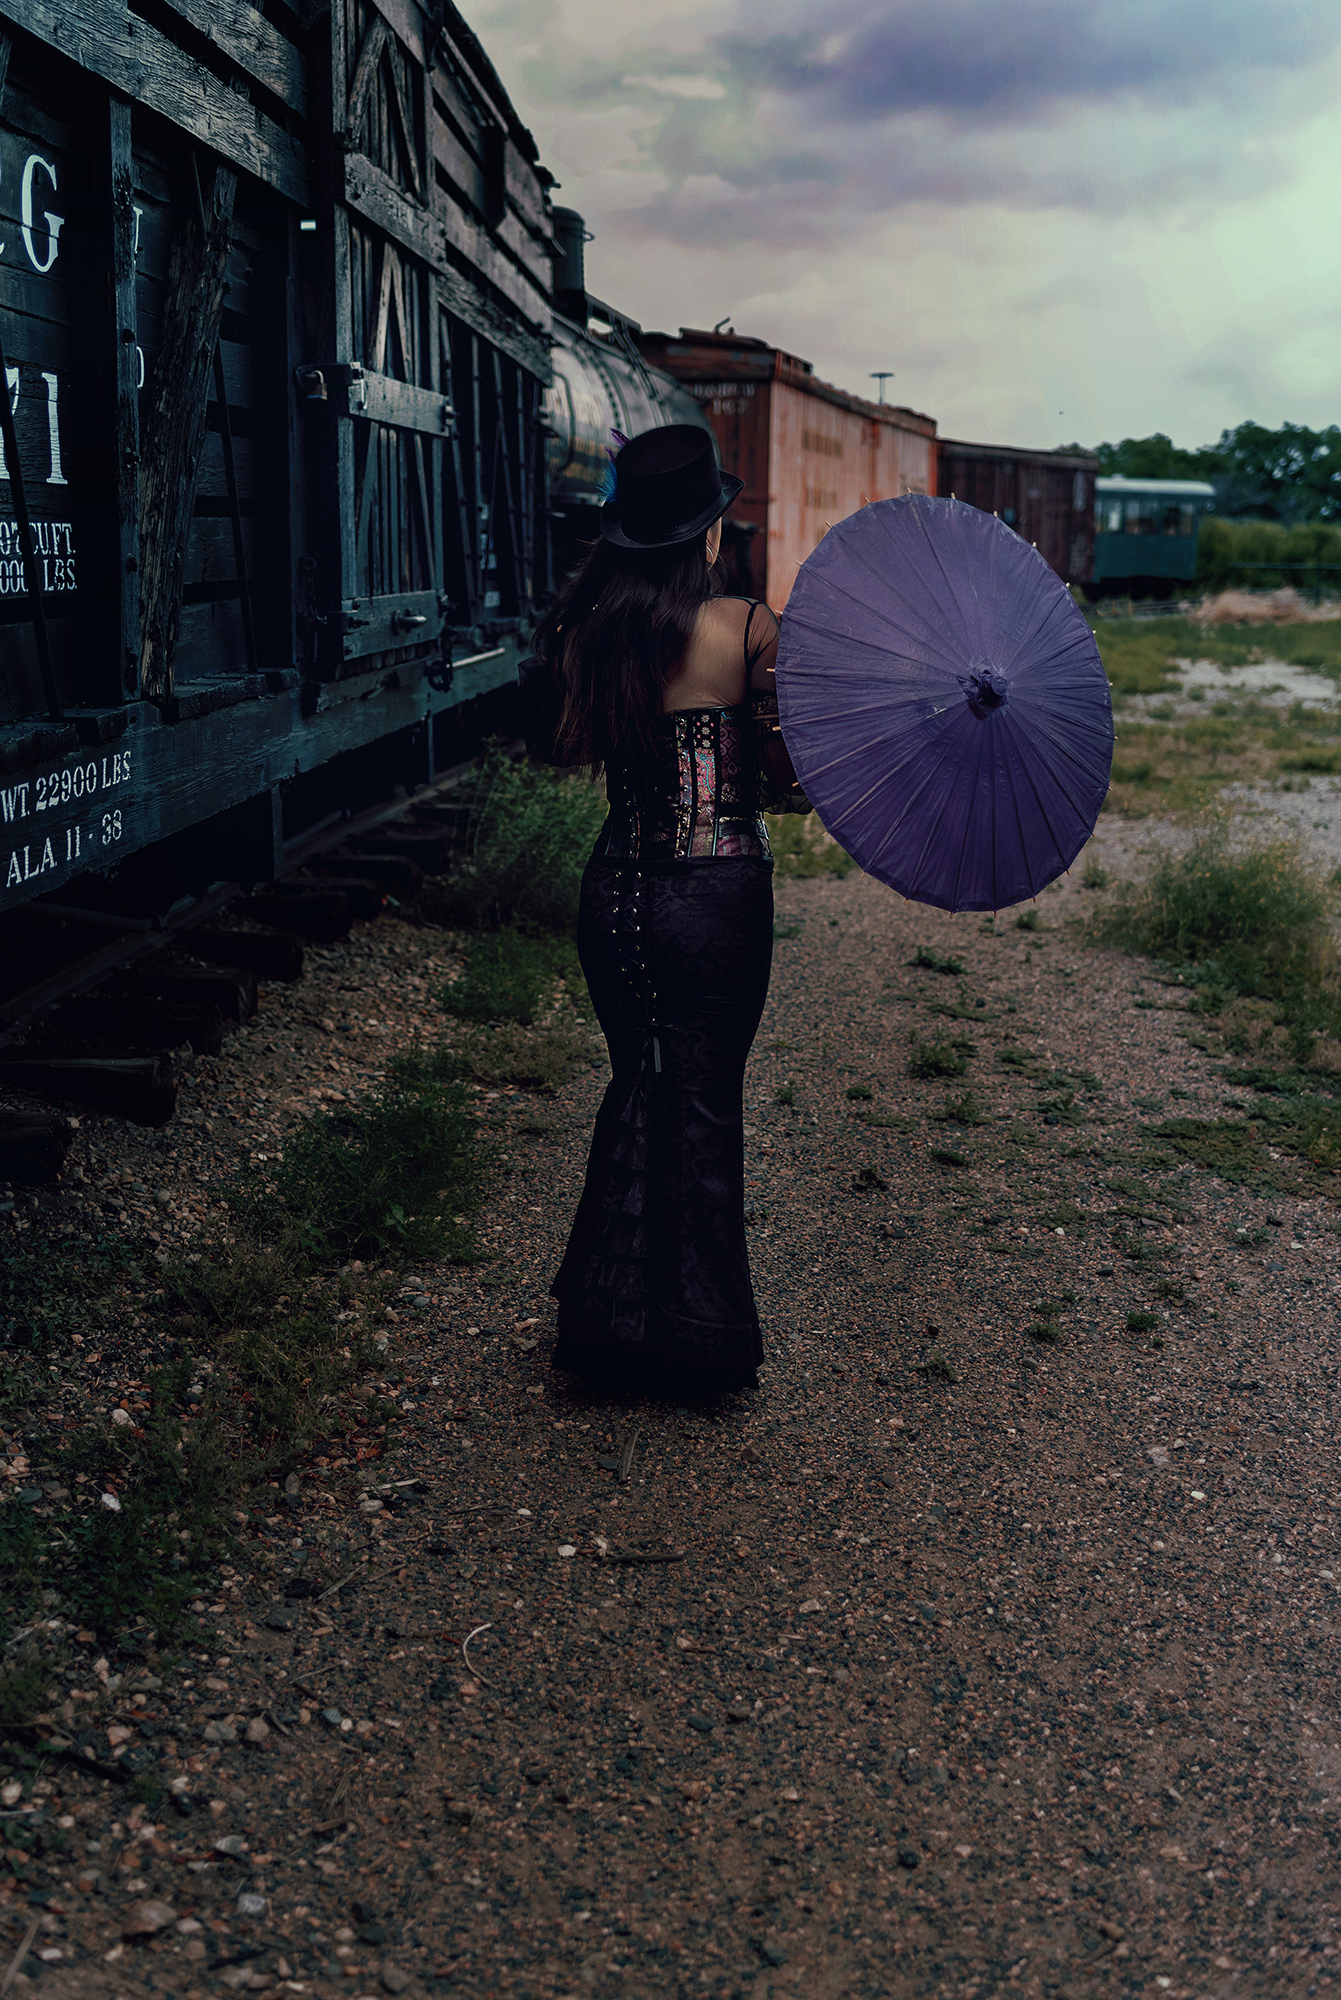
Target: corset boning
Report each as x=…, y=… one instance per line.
x=700, y=800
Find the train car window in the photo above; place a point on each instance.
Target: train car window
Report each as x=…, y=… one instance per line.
x=1187, y=520
x=1110, y=518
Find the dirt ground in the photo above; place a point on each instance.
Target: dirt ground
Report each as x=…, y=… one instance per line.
x=989, y=1646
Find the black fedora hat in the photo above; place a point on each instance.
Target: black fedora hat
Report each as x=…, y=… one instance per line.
x=668, y=488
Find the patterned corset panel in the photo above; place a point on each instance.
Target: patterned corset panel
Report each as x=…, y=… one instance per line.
x=704, y=799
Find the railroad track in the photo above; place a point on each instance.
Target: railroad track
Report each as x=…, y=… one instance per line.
x=119, y=991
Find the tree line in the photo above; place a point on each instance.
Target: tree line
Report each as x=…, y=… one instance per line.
x=1290, y=475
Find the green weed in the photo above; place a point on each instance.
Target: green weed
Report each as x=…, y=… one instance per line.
x=782, y=930
x=1141, y=1322
x=785, y=1094
x=861, y=1091
x=940, y=1056
x=1094, y=875
x=940, y=1367
x=962, y=1110
x=924, y=956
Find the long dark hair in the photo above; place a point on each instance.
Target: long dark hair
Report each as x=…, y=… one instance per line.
x=612, y=640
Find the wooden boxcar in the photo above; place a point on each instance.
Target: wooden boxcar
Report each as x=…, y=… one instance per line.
x=809, y=453
x=275, y=296
x=1046, y=496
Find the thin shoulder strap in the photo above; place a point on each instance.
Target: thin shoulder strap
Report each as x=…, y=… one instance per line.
x=751, y=657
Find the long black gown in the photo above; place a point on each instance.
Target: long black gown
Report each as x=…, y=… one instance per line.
x=676, y=941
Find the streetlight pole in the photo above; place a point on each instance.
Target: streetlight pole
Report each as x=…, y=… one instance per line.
x=882, y=375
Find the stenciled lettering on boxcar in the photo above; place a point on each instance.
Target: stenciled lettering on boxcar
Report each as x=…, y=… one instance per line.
x=43, y=202
x=55, y=823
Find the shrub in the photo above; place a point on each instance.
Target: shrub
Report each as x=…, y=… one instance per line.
x=941, y=1056
x=1235, y=552
x=1258, y=918
x=1141, y=1322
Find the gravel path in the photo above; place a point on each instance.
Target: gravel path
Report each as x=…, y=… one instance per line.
x=955, y=1660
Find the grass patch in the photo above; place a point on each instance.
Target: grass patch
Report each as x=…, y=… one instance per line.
x=949, y=1156
x=962, y=1110
x=860, y=1091
x=395, y=1180
x=938, y=1367
x=941, y=1055
x=785, y=1094
x=783, y=930
x=933, y=961
x=528, y=833
x=802, y=849
x=1256, y=920
x=540, y=1059
x=1141, y=1322
x=1047, y=1331
x=512, y=975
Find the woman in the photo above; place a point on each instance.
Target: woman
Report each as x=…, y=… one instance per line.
x=652, y=676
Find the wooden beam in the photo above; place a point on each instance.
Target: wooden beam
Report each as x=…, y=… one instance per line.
x=241, y=32
x=484, y=316
x=104, y=37
x=384, y=399
x=431, y=233
x=404, y=123
x=175, y=426
x=115, y=578
x=365, y=73
x=162, y=777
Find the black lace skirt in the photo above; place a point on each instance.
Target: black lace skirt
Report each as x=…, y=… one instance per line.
x=655, y=1283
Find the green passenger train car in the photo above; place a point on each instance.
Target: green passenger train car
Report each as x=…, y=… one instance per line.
x=1145, y=533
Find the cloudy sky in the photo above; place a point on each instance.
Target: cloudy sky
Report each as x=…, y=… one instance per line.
x=1053, y=219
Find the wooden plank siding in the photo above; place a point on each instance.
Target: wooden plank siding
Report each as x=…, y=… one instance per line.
x=106, y=39
x=323, y=408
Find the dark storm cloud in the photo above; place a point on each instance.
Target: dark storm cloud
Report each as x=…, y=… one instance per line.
x=972, y=59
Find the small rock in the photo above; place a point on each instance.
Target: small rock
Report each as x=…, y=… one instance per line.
x=281, y=1618
x=394, y=1979
x=258, y=1731
x=1105, y=1270
x=231, y=1844
x=811, y=1604
x=909, y=1857
x=460, y=1811
x=566, y=1550
x=121, y=1417
x=771, y=1952
x=561, y=1795
x=147, y=1919
x=536, y=1774
x=751, y=1455
x=331, y=1717
x=703, y=1723
x=250, y=1904
x=739, y=1711
x=220, y=1732
x=372, y=1933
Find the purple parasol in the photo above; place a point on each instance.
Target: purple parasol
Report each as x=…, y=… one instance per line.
x=944, y=704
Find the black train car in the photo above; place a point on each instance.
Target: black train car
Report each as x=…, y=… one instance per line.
x=275, y=304
x=1046, y=496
